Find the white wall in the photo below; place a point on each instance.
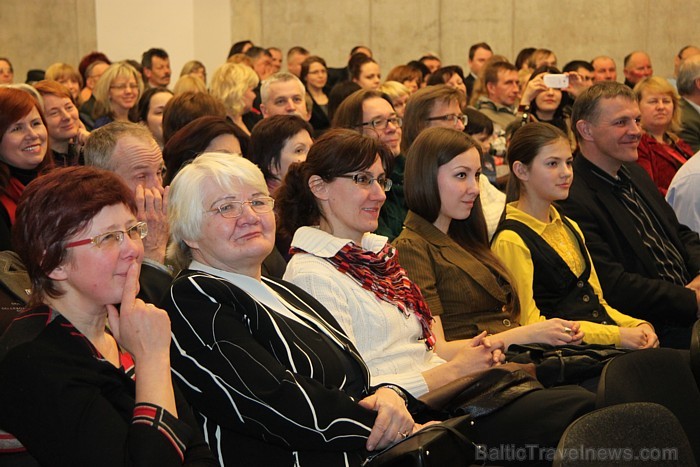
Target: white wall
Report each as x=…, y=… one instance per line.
x=186, y=29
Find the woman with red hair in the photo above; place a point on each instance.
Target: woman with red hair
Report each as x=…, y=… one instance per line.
x=23, y=147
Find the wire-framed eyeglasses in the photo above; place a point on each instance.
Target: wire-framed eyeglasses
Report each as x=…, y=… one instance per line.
x=231, y=209
x=137, y=231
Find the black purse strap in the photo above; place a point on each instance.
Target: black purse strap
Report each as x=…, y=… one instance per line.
x=442, y=426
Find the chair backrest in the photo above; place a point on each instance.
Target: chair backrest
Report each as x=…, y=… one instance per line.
x=627, y=434
x=695, y=351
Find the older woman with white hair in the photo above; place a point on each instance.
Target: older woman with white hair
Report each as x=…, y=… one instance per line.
x=234, y=84
x=273, y=377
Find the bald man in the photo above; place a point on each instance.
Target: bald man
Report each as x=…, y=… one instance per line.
x=637, y=67
x=604, y=69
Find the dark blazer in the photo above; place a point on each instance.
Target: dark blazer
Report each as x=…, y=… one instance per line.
x=319, y=119
x=70, y=407
x=269, y=389
x=469, y=82
x=690, y=123
x=627, y=272
x=456, y=285
x=337, y=75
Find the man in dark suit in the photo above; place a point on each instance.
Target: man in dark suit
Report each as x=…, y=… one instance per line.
x=479, y=54
x=648, y=264
x=689, y=89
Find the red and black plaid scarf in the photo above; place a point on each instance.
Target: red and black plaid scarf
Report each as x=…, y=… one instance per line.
x=382, y=274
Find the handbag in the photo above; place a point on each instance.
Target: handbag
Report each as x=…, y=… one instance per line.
x=438, y=445
x=564, y=364
x=484, y=392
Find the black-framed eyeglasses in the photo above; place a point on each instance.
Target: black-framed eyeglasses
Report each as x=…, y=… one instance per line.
x=382, y=123
x=366, y=180
x=136, y=232
x=453, y=118
x=231, y=209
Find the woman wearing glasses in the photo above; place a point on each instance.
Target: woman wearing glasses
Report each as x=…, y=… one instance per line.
x=331, y=203
x=116, y=94
x=274, y=379
x=103, y=396
x=372, y=114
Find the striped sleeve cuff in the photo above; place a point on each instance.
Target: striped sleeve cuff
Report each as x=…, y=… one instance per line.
x=164, y=422
x=9, y=444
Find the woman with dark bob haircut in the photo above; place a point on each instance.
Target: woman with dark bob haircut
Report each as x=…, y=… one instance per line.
x=104, y=394
x=453, y=76
x=204, y=134
x=151, y=108
x=276, y=143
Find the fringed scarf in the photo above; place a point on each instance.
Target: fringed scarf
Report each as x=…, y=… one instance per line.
x=381, y=274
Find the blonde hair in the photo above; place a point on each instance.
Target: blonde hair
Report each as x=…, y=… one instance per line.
x=189, y=83
x=58, y=71
x=230, y=82
x=191, y=67
x=103, y=105
x=394, y=89
x=660, y=85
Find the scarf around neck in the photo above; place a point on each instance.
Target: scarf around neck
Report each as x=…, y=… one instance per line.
x=381, y=274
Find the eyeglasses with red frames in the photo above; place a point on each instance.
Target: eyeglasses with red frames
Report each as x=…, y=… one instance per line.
x=136, y=232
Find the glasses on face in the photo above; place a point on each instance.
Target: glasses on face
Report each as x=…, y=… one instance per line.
x=452, y=118
x=365, y=180
x=121, y=87
x=231, y=209
x=382, y=123
x=116, y=237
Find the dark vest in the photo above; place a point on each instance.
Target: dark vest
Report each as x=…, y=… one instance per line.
x=557, y=291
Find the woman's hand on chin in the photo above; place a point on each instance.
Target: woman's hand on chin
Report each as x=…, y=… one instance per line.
x=141, y=328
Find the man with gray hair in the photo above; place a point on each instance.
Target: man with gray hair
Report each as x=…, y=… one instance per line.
x=648, y=264
x=689, y=88
x=130, y=151
x=283, y=94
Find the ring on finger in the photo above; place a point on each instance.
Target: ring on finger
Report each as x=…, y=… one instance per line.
x=403, y=434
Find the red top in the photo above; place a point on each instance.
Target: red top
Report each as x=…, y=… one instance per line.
x=661, y=161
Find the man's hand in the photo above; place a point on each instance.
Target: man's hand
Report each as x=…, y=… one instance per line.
x=152, y=206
